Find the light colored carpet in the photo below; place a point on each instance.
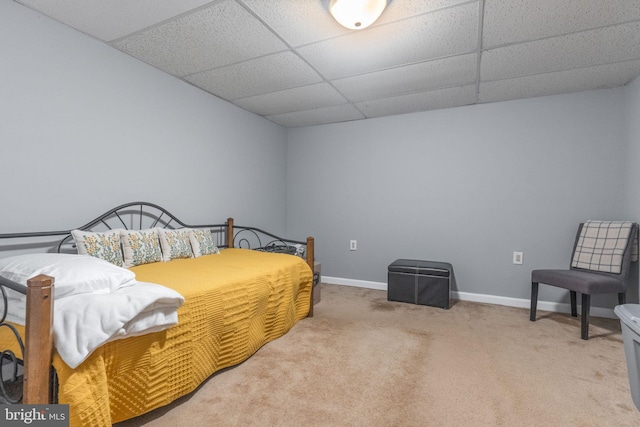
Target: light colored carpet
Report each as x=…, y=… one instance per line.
x=364, y=361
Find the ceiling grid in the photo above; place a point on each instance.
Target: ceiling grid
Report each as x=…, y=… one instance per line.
x=291, y=62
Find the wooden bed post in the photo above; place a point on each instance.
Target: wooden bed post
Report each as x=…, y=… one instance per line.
x=311, y=261
x=38, y=340
x=229, y=232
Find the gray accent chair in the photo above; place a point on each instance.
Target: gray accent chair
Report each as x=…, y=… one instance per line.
x=587, y=282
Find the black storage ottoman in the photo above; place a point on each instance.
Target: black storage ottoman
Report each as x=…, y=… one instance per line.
x=420, y=282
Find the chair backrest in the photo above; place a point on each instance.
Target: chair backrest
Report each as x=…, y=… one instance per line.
x=606, y=247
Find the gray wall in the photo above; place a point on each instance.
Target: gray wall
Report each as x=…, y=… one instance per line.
x=84, y=128
x=632, y=134
x=467, y=185
x=632, y=181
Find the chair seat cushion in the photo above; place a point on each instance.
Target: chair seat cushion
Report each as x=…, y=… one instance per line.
x=579, y=281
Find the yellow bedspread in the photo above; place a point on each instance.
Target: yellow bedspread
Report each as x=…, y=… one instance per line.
x=235, y=302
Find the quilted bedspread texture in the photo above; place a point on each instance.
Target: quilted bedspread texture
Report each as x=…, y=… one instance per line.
x=235, y=302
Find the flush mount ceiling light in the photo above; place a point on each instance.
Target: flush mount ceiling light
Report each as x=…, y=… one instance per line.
x=356, y=14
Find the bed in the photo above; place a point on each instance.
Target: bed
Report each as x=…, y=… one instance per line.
x=219, y=306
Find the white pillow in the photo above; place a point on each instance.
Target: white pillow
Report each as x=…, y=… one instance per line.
x=104, y=245
x=202, y=242
x=140, y=247
x=175, y=244
x=73, y=274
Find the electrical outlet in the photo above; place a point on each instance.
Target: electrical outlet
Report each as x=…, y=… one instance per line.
x=517, y=257
x=353, y=245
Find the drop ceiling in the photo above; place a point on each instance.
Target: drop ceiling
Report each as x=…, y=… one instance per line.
x=289, y=61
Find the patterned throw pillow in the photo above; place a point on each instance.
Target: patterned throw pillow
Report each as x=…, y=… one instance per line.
x=140, y=247
x=104, y=245
x=202, y=242
x=175, y=244
x=601, y=246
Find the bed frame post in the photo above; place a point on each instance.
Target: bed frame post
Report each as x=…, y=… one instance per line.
x=39, y=340
x=311, y=261
x=229, y=232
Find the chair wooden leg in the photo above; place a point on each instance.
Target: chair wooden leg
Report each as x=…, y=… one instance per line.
x=622, y=298
x=574, y=303
x=534, y=301
x=584, y=326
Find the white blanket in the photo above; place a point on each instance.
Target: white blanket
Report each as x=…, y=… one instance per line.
x=83, y=322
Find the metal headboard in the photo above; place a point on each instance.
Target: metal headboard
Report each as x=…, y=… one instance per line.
x=142, y=215
x=129, y=216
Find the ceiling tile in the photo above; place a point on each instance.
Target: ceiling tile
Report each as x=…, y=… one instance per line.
x=318, y=116
x=511, y=21
x=297, y=22
x=254, y=77
x=594, y=47
x=443, y=98
x=112, y=19
x=221, y=34
x=302, y=22
x=445, y=33
x=286, y=101
x=597, y=77
x=401, y=9
x=424, y=76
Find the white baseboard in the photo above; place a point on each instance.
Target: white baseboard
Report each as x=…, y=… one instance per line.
x=356, y=283
x=483, y=298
